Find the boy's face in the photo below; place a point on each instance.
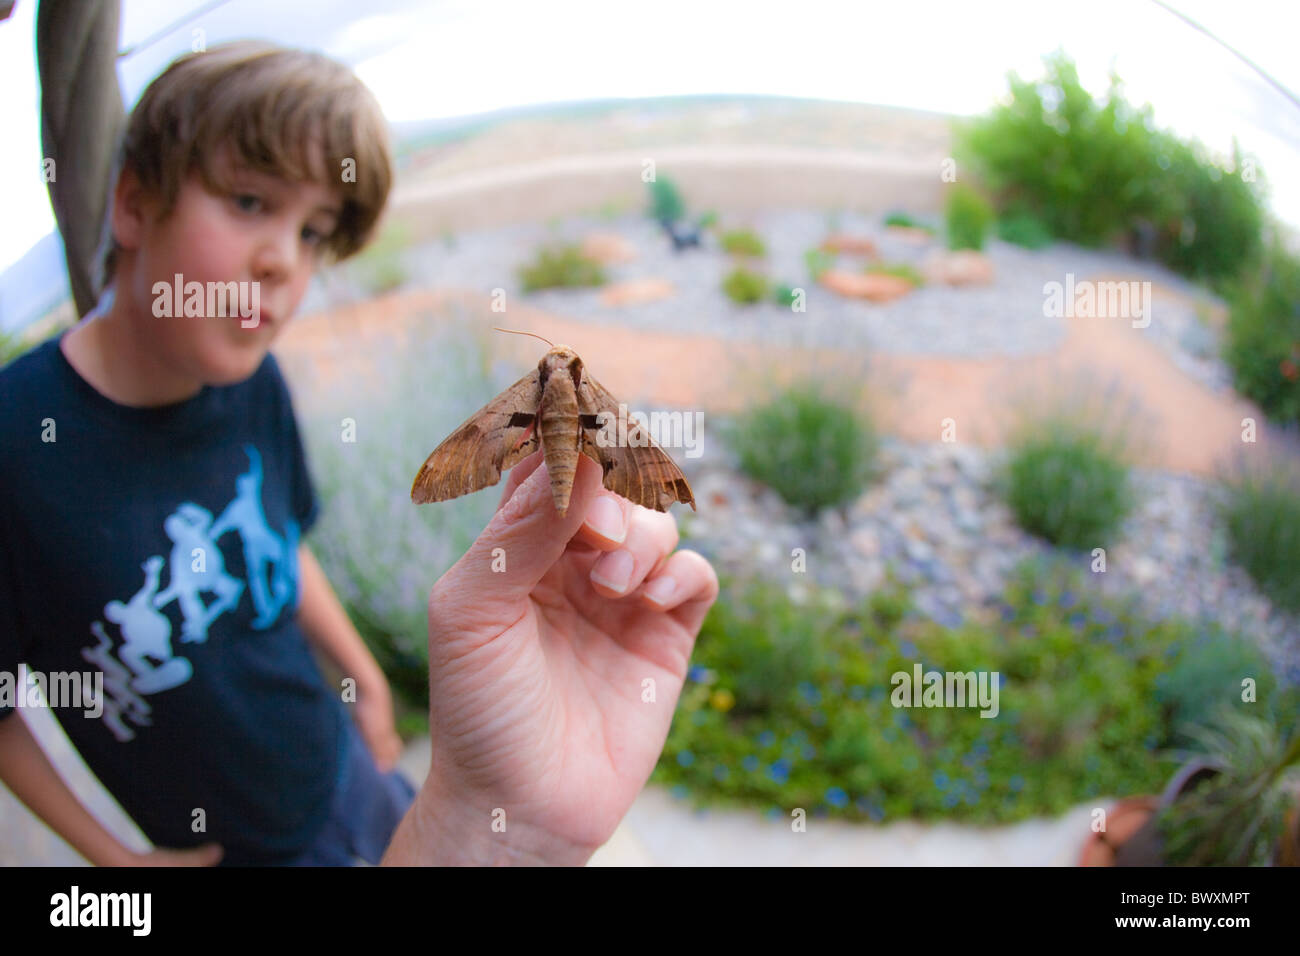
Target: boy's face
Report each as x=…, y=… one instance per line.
x=265, y=235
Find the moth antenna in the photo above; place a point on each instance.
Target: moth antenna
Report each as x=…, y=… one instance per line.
x=517, y=332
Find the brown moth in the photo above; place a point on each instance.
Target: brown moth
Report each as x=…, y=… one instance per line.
x=554, y=407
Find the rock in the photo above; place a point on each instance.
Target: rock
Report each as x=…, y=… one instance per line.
x=963, y=267
x=873, y=288
x=865, y=542
x=637, y=292
x=842, y=242
x=911, y=234
x=608, y=248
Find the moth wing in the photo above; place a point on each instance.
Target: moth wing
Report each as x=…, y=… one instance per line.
x=494, y=439
x=642, y=472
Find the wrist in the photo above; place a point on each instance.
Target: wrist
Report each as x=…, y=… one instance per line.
x=441, y=829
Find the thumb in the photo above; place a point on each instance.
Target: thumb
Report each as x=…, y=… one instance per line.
x=208, y=855
x=488, y=586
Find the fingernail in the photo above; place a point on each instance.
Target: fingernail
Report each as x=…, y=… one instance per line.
x=661, y=590
x=606, y=519
x=614, y=571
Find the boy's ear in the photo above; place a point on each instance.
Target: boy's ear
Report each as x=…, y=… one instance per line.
x=132, y=208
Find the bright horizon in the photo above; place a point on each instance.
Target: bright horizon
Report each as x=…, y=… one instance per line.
x=510, y=53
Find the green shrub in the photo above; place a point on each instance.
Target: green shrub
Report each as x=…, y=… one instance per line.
x=666, y=203
x=561, y=266
x=1217, y=219
x=1024, y=229
x=1260, y=509
x=1092, y=170
x=1204, y=678
x=969, y=217
x=813, y=448
x=907, y=222
x=818, y=261
x=784, y=294
x=742, y=242
x=745, y=287
x=708, y=220
x=789, y=705
x=1066, y=482
x=1085, y=169
x=1262, y=345
x=900, y=269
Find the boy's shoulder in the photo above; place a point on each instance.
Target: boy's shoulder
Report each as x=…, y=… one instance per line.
x=40, y=386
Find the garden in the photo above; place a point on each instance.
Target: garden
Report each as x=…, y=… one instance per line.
x=1139, y=618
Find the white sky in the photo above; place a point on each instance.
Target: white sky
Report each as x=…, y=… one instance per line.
x=458, y=57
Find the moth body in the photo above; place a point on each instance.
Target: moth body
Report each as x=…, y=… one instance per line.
x=556, y=409
x=558, y=425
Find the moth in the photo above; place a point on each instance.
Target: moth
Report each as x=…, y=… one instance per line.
x=558, y=407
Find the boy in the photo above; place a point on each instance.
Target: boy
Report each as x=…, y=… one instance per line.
x=152, y=530
x=151, y=527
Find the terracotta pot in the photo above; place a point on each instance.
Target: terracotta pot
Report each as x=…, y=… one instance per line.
x=1146, y=847
x=1124, y=819
x=1288, y=848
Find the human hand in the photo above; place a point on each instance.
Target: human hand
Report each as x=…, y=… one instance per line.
x=375, y=721
x=551, y=693
x=207, y=855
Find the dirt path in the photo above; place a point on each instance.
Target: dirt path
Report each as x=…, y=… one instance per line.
x=1176, y=422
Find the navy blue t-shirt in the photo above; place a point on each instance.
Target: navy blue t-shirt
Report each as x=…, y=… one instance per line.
x=158, y=546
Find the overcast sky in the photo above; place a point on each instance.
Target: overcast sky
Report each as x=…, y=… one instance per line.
x=457, y=57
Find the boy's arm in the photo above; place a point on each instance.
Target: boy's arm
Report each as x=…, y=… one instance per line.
x=27, y=772
x=327, y=626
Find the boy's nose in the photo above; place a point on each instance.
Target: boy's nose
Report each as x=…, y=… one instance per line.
x=274, y=257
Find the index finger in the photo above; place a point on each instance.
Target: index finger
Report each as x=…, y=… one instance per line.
x=604, y=528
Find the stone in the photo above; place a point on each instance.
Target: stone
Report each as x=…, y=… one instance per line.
x=842, y=242
x=873, y=288
x=608, y=248
x=910, y=234
x=637, y=292
x=959, y=268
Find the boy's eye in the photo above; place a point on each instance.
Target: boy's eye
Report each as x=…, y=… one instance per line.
x=312, y=236
x=248, y=202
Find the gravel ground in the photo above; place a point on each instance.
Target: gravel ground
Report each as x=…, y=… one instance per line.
x=1004, y=318
x=934, y=516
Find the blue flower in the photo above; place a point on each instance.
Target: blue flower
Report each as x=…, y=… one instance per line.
x=940, y=779
x=836, y=797
x=698, y=674
x=680, y=791
x=1039, y=597
x=809, y=752
x=1016, y=783
x=857, y=692
x=1069, y=599
x=1008, y=612
x=797, y=738
x=971, y=798
x=908, y=649
x=780, y=771
x=810, y=693
x=951, y=800
x=721, y=773
x=766, y=738
x=750, y=763
x=685, y=758
x=773, y=813
x=1078, y=620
